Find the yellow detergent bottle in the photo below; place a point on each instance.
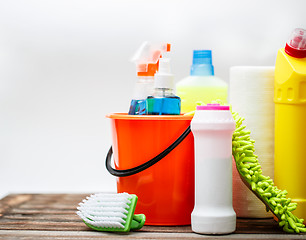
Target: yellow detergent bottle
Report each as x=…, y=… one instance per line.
x=201, y=85
x=290, y=120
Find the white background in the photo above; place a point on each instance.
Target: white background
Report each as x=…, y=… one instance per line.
x=64, y=65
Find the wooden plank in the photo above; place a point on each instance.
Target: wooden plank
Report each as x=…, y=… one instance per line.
x=45, y=211
x=12, y=201
x=72, y=223
x=63, y=235
x=54, y=216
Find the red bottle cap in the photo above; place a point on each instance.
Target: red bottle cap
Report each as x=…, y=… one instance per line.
x=296, y=45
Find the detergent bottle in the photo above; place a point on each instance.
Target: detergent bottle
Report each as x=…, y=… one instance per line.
x=164, y=101
x=290, y=119
x=146, y=59
x=213, y=127
x=202, y=85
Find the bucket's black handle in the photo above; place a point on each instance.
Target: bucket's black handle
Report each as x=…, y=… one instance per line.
x=134, y=170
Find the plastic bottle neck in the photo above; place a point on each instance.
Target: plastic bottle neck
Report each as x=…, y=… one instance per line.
x=202, y=63
x=202, y=70
x=163, y=92
x=145, y=79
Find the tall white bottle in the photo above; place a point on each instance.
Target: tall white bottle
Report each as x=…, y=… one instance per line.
x=213, y=127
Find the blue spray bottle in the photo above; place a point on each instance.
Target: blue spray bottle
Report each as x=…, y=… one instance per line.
x=164, y=101
x=146, y=59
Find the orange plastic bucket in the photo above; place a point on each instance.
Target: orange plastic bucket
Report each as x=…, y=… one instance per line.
x=165, y=190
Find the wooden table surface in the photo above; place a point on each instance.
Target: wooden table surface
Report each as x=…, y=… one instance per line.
x=52, y=216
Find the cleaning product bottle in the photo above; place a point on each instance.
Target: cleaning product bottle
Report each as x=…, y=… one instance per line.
x=201, y=85
x=290, y=119
x=146, y=59
x=164, y=101
x=212, y=127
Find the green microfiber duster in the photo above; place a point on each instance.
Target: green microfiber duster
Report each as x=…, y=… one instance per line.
x=251, y=174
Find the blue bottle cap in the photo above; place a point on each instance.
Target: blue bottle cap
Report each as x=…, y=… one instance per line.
x=202, y=63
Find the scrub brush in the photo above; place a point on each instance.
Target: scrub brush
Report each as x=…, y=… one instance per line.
x=251, y=174
x=111, y=212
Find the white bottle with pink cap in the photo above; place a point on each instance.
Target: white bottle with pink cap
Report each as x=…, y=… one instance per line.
x=213, y=127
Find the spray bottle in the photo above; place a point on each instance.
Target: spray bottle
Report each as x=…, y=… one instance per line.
x=290, y=119
x=164, y=101
x=202, y=85
x=146, y=59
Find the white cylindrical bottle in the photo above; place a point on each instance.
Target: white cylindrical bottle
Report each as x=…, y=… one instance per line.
x=213, y=213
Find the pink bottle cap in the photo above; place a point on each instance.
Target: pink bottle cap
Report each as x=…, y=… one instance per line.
x=213, y=106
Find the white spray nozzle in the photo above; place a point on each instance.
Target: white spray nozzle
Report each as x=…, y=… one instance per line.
x=164, y=66
x=164, y=78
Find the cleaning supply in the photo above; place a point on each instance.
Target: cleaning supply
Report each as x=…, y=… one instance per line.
x=262, y=186
x=111, y=212
x=290, y=119
x=251, y=94
x=212, y=127
x=202, y=85
x=164, y=101
x=146, y=59
x=165, y=188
